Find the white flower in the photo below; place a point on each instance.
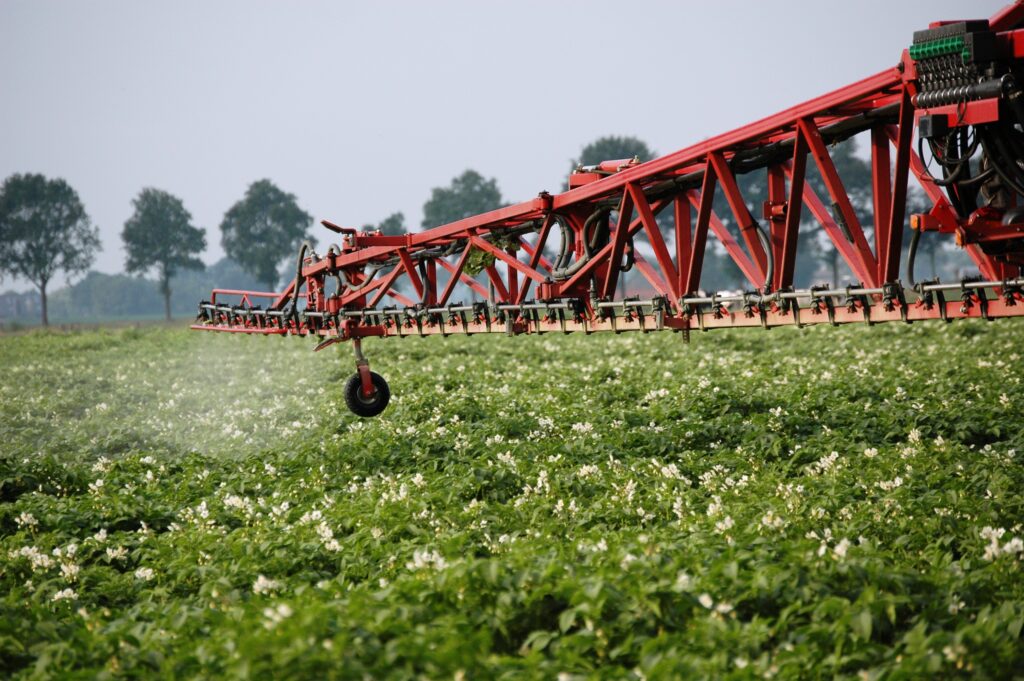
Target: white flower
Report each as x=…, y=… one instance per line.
x=120, y=553
x=25, y=519
x=841, y=548
x=100, y=536
x=772, y=521
x=587, y=470
x=914, y=436
x=683, y=581
x=890, y=485
x=724, y=525
x=870, y=452
x=65, y=595
x=1015, y=545
x=263, y=585
x=824, y=465
x=418, y=480
x=144, y=573
x=276, y=615
x=426, y=559
x=36, y=558
x=69, y=571
x=655, y=394
x=582, y=428
x=954, y=652
x=97, y=486
x=706, y=600
x=993, y=535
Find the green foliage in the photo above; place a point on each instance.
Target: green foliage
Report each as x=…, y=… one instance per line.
x=479, y=260
x=43, y=230
x=469, y=194
x=265, y=229
x=817, y=502
x=160, y=235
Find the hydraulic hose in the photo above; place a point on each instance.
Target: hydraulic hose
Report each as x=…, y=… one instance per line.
x=306, y=246
x=911, y=256
x=769, y=256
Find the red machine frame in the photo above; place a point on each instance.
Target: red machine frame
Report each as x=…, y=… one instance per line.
x=579, y=294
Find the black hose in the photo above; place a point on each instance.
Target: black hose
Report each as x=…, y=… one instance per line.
x=769, y=256
x=600, y=232
x=306, y=246
x=568, y=241
x=987, y=144
x=911, y=256
x=560, y=270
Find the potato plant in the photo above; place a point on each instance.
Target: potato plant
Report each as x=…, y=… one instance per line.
x=801, y=503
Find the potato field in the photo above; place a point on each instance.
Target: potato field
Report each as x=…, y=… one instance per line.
x=810, y=503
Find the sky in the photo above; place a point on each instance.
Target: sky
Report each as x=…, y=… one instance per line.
x=360, y=108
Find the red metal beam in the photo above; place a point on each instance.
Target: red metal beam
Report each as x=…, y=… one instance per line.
x=618, y=244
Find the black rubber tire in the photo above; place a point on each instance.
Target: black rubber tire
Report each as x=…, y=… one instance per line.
x=367, y=406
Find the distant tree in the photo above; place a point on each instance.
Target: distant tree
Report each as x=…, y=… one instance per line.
x=468, y=194
x=613, y=147
x=44, y=230
x=263, y=229
x=392, y=225
x=855, y=172
x=160, y=235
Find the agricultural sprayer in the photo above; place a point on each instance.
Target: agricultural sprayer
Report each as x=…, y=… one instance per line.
x=951, y=112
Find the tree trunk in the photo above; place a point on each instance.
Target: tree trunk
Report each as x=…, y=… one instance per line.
x=165, y=288
x=42, y=300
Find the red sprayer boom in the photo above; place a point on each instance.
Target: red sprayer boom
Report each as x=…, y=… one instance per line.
x=953, y=99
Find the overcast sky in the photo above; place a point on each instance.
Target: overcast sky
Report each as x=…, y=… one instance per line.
x=360, y=108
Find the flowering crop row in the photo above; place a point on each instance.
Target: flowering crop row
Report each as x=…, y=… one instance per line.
x=805, y=502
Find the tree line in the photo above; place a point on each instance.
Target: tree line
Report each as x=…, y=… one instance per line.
x=45, y=230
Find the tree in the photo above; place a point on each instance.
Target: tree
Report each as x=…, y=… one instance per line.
x=160, y=235
x=611, y=148
x=469, y=194
x=855, y=173
x=44, y=230
x=263, y=229
x=392, y=225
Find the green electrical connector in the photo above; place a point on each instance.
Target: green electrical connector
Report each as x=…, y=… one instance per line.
x=940, y=47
